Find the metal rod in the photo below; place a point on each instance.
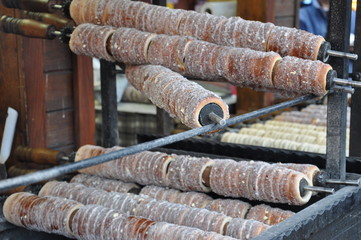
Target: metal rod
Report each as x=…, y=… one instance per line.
x=57, y=33
x=319, y=189
x=350, y=56
x=344, y=89
x=344, y=182
x=71, y=167
x=57, y=6
x=217, y=119
x=345, y=82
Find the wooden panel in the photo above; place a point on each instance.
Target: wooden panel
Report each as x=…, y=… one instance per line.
x=60, y=128
x=57, y=56
x=59, y=91
x=35, y=91
x=285, y=7
x=260, y=10
x=84, y=101
x=285, y=21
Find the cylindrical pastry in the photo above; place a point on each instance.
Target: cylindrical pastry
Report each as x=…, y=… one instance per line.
x=91, y=40
x=142, y=206
x=268, y=215
x=108, y=185
x=229, y=207
x=311, y=171
x=143, y=168
x=130, y=46
x=302, y=76
x=234, y=32
x=186, y=173
x=243, y=229
x=174, y=93
x=192, y=199
x=47, y=214
x=259, y=181
x=294, y=42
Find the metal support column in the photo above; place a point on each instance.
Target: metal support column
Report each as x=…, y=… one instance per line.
x=355, y=129
x=110, y=133
x=338, y=35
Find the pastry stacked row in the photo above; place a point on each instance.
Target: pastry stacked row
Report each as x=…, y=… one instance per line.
x=234, y=32
x=202, y=60
x=144, y=206
x=252, y=180
x=74, y=220
x=230, y=207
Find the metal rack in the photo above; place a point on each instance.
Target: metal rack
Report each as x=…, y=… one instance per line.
x=307, y=222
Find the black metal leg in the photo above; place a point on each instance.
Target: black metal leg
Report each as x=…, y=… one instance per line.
x=355, y=128
x=338, y=36
x=110, y=133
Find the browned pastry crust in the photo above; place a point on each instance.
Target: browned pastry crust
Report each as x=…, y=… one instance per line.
x=301, y=76
x=229, y=207
x=294, y=42
x=48, y=214
x=185, y=173
x=268, y=215
x=245, y=229
x=91, y=40
x=108, y=185
x=188, y=98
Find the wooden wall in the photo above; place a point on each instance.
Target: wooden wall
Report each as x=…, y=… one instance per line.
x=51, y=88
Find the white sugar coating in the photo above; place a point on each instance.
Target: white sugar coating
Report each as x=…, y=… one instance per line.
x=308, y=169
x=305, y=76
x=185, y=173
x=109, y=11
x=156, y=21
x=224, y=31
x=187, y=22
x=47, y=214
x=246, y=67
x=252, y=34
x=268, y=215
x=229, y=207
x=195, y=99
x=208, y=26
x=245, y=229
x=294, y=42
x=217, y=176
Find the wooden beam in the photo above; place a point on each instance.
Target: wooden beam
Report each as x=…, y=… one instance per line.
x=84, y=110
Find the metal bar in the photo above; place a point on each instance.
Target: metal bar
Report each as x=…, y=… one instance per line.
x=344, y=182
x=345, y=82
x=217, y=119
x=339, y=36
x=71, y=167
x=319, y=189
x=110, y=133
x=346, y=55
x=355, y=127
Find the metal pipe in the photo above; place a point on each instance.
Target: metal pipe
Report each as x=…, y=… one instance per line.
x=350, y=56
x=319, y=189
x=344, y=89
x=344, y=182
x=71, y=167
x=216, y=119
x=57, y=6
x=344, y=82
